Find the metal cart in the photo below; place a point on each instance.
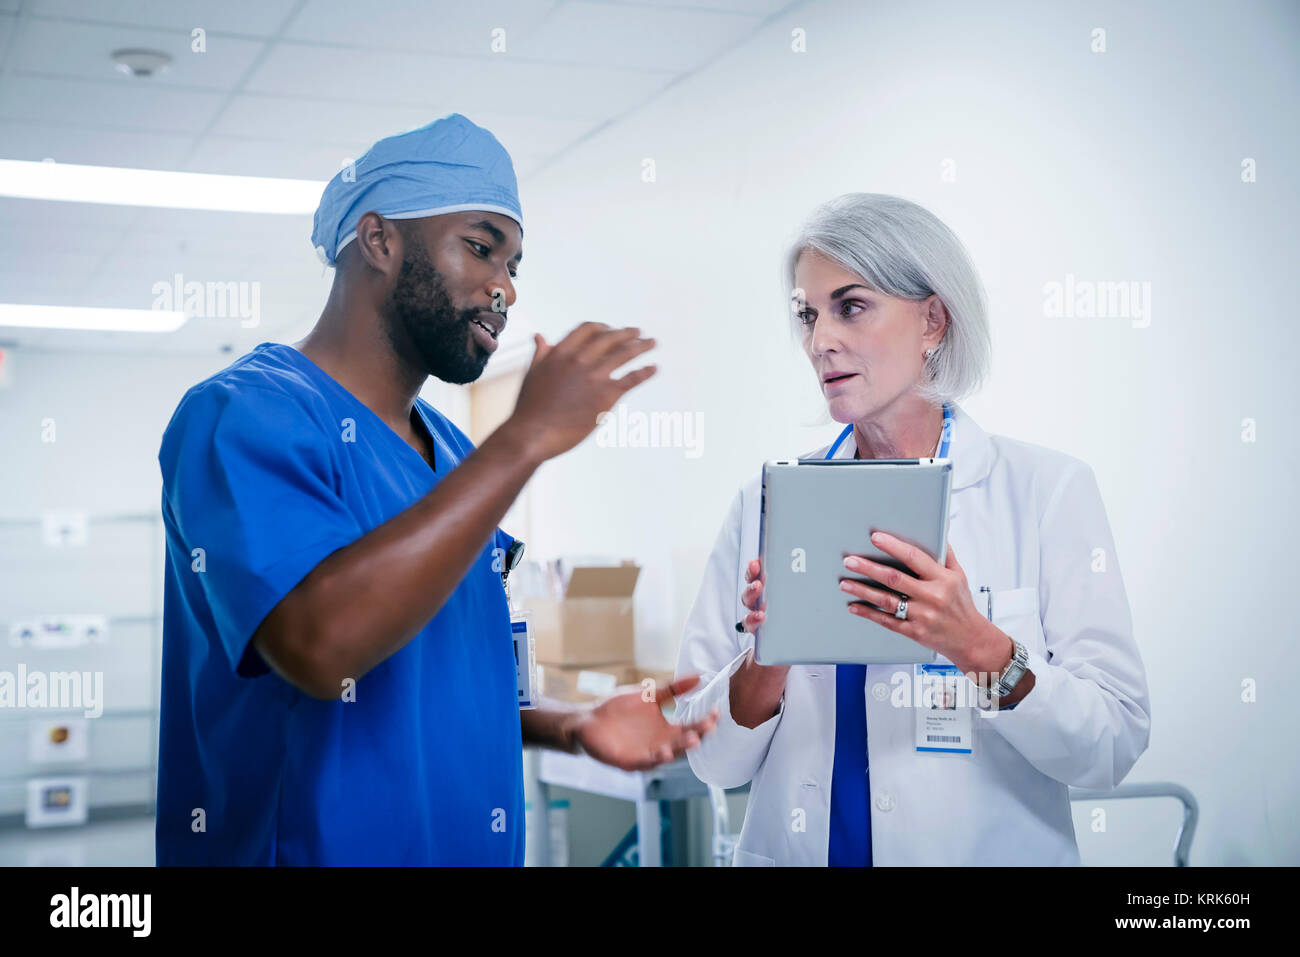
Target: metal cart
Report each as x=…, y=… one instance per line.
x=724, y=840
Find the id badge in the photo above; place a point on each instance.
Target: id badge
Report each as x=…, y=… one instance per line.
x=943, y=710
x=521, y=629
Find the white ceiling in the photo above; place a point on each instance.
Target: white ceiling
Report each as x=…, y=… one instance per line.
x=292, y=88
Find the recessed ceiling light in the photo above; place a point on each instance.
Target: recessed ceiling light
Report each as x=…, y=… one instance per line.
x=137, y=62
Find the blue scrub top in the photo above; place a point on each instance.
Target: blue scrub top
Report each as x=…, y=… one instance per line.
x=268, y=467
x=850, y=827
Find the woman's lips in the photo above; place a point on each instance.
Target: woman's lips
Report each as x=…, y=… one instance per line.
x=838, y=381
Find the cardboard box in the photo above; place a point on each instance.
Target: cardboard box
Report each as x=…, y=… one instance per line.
x=578, y=684
x=593, y=623
x=583, y=684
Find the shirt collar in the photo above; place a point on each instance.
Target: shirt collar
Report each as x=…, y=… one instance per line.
x=969, y=448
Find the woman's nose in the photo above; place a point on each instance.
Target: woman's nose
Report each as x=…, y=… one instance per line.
x=824, y=339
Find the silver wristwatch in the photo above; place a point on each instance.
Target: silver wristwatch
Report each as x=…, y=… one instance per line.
x=1010, y=677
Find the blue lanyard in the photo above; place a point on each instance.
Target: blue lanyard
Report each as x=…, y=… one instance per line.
x=943, y=444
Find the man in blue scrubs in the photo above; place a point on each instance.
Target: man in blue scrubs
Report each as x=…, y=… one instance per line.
x=338, y=668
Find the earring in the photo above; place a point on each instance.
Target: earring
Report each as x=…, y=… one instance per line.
x=929, y=353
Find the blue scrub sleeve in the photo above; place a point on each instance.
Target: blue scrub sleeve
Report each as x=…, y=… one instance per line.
x=248, y=477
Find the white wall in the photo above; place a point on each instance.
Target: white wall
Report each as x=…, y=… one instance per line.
x=1123, y=165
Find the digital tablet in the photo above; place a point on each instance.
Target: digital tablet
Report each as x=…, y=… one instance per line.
x=817, y=512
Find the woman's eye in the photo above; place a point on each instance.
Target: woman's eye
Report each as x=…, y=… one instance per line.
x=844, y=306
x=805, y=316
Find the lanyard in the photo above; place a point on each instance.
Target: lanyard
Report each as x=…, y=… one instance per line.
x=943, y=444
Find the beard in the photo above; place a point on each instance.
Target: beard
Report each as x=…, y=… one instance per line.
x=424, y=326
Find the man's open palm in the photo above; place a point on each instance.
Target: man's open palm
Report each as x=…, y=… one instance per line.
x=628, y=729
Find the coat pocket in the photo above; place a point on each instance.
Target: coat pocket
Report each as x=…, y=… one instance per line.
x=1015, y=611
x=743, y=858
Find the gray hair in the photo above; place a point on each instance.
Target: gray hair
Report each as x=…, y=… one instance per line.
x=904, y=250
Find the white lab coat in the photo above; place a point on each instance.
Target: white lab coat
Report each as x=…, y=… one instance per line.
x=1025, y=520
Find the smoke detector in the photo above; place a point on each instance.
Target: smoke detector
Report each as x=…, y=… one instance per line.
x=141, y=62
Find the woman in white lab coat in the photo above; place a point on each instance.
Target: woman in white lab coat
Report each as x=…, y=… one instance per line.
x=892, y=320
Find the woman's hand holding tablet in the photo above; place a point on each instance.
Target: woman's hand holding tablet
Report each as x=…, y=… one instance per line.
x=941, y=615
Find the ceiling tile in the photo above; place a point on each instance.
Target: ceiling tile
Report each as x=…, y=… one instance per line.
x=106, y=105
x=524, y=133
x=653, y=39
x=248, y=156
x=223, y=234
x=760, y=8
x=56, y=47
x=446, y=85
x=71, y=144
x=247, y=17
x=297, y=121
x=456, y=28
x=64, y=219
x=300, y=119
x=44, y=279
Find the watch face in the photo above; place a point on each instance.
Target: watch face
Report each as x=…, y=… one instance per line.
x=1011, y=677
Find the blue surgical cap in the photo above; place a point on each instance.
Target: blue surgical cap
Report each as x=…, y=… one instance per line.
x=448, y=166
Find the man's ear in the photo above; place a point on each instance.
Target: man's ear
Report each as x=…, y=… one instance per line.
x=379, y=242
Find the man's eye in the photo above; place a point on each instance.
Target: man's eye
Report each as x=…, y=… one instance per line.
x=479, y=247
